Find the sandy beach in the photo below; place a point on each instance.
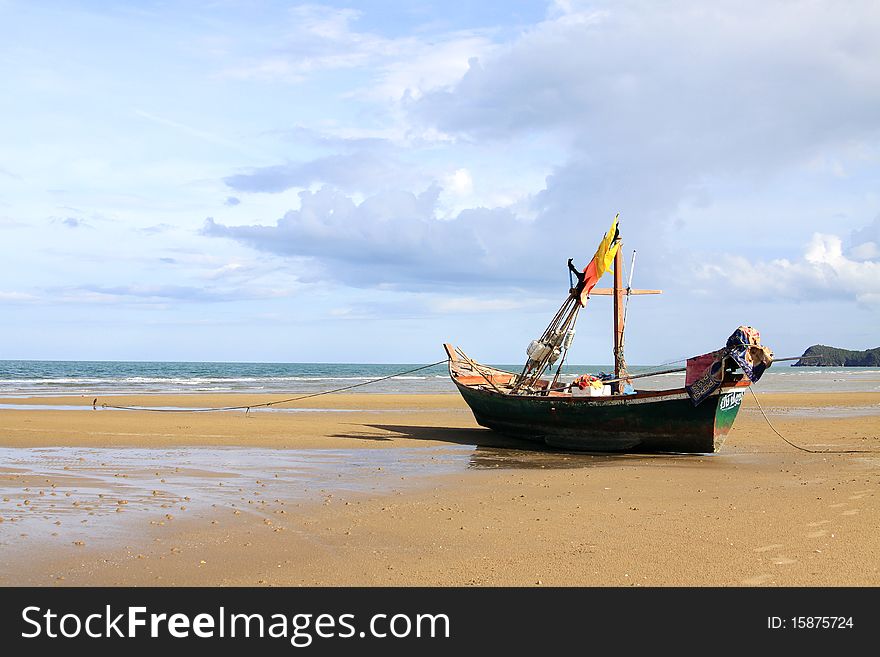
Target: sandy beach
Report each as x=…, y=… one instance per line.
x=384, y=489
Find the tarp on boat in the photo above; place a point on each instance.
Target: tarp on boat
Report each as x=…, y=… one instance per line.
x=704, y=373
x=745, y=348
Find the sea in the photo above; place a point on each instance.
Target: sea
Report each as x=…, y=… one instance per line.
x=28, y=378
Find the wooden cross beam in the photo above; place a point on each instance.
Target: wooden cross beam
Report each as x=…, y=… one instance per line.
x=609, y=292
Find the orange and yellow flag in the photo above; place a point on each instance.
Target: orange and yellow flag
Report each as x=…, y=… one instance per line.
x=601, y=262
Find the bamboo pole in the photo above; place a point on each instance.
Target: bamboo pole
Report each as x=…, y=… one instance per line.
x=565, y=351
x=682, y=369
x=528, y=376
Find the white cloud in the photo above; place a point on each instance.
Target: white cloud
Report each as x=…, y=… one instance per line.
x=636, y=104
x=459, y=184
x=723, y=88
x=422, y=66
x=367, y=167
x=868, y=237
x=20, y=297
x=321, y=39
x=399, y=239
x=865, y=251
x=823, y=273
x=480, y=305
x=227, y=270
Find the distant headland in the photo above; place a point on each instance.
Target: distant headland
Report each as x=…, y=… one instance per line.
x=825, y=356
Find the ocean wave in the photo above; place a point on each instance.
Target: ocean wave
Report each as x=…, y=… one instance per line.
x=20, y=378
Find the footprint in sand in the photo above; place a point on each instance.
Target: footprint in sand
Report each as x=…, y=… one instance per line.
x=851, y=512
x=817, y=534
x=783, y=561
x=757, y=579
x=767, y=548
x=818, y=523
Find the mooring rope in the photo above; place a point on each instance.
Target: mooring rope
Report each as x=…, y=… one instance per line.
x=247, y=407
x=806, y=449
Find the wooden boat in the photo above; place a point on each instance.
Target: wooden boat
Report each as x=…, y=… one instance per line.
x=527, y=405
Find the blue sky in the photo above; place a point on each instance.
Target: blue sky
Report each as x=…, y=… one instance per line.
x=364, y=181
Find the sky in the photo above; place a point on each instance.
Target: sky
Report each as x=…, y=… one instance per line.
x=363, y=181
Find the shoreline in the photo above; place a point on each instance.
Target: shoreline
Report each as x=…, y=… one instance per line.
x=401, y=490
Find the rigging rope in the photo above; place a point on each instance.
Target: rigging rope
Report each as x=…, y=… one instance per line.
x=806, y=449
x=248, y=407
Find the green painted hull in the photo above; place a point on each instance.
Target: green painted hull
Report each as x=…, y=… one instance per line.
x=644, y=423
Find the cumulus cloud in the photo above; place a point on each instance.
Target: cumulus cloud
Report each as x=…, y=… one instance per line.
x=231, y=201
x=362, y=169
x=635, y=105
x=823, y=273
x=649, y=101
x=460, y=182
x=396, y=238
x=865, y=251
x=742, y=79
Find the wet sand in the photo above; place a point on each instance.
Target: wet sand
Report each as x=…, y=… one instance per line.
x=363, y=489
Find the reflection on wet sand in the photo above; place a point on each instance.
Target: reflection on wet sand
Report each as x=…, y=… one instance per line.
x=493, y=450
x=98, y=494
x=519, y=459
x=74, y=495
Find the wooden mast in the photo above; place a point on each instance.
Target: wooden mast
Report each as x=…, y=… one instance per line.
x=564, y=320
x=618, y=314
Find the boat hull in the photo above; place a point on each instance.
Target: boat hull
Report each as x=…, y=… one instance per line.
x=645, y=423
